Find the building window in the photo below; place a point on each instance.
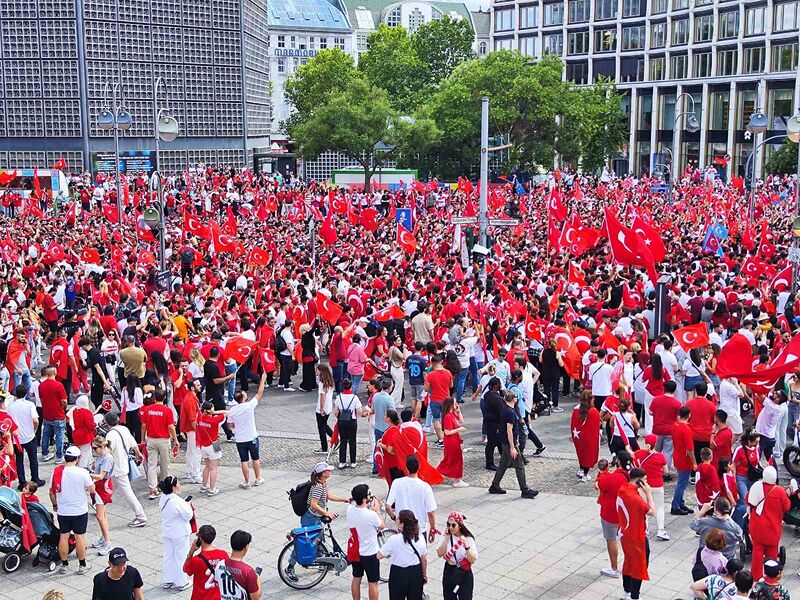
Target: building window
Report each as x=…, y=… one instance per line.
x=416, y=20
x=727, y=62
x=745, y=107
x=281, y=65
x=323, y=43
x=781, y=108
x=658, y=6
x=701, y=64
x=632, y=76
x=680, y=32
x=361, y=42
x=786, y=16
x=394, y=18
x=677, y=66
x=704, y=28
x=527, y=45
x=553, y=44
x=281, y=41
x=292, y=41
x=658, y=35
x=302, y=43
x=482, y=48
x=578, y=11
x=553, y=14
x=680, y=4
x=657, y=70
x=338, y=42
x=507, y=44
x=784, y=57
x=503, y=20
x=633, y=37
x=577, y=42
x=631, y=8
x=577, y=73
x=720, y=104
x=605, y=9
x=645, y=117
x=754, y=20
x=312, y=43
x=528, y=17
x=667, y=111
x=754, y=59
x=729, y=25
x=605, y=40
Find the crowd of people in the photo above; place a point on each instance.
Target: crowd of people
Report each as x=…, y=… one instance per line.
x=111, y=367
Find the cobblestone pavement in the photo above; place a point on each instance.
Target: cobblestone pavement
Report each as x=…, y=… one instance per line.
x=547, y=548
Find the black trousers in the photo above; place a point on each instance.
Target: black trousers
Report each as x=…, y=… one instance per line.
x=246, y=375
x=347, y=438
x=286, y=370
x=405, y=583
x=492, y=442
x=219, y=404
x=134, y=423
x=531, y=435
x=96, y=391
x=450, y=577
x=567, y=381
x=550, y=388
x=324, y=430
x=29, y=449
x=505, y=462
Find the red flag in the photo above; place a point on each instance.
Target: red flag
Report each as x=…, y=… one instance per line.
x=626, y=246
x=693, y=336
x=766, y=249
x=328, y=309
x=268, y=360
x=609, y=341
x=147, y=258
x=328, y=232
x=7, y=177
x=110, y=213
x=56, y=251
x=387, y=314
x=336, y=203
x=195, y=226
x=259, y=257
x=239, y=349
x=29, y=539
x=464, y=185
x=556, y=205
x=738, y=183
x=35, y=209
x=736, y=357
x=575, y=276
x=753, y=266
x=583, y=340
x=356, y=302
x=566, y=346
x=651, y=238
x=458, y=273
x=553, y=234
x=406, y=240
x=469, y=208
x=230, y=226
x=748, y=240
x=90, y=255
x=418, y=186
x=630, y=299
x=222, y=241
x=60, y=165
x=37, y=188
x=369, y=219
x=533, y=331
x=782, y=281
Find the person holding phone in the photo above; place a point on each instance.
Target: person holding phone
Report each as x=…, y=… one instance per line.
x=200, y=563
x=176, y=514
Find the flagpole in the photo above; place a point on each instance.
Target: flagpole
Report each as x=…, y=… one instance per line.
x=484, y=183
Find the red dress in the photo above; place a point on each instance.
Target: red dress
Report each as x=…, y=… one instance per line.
x=452, y=464
x=586, y=437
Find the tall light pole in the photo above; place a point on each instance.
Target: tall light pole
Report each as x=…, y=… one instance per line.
x=758, y=124
x=793, y=133
x=483, y=207
x=692, y=126
x=117, y=118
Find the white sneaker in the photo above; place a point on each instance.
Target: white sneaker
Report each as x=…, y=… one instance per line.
x=185, y=586
x=353, y=465
x=369, y=460
x=244, y=486
x=342, y=465
x=663, y=536
x=48, y=457
x=203, y=489
x=579, y=473
x=258, y=482
x=460, y=484
x=609, y=572
x=289, y=389
x=59, y=461
x=104, y=550
x=585, y=479
x=213, y=492
x=426, y=429
x=557, y=409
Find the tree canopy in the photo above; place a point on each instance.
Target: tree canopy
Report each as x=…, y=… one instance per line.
x=784, y=160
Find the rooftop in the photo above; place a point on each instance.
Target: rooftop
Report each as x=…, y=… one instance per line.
x=366, y=14
x=481, y=22
x=308, y=14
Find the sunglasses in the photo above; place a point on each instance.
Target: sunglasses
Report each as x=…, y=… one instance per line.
x=452, y=524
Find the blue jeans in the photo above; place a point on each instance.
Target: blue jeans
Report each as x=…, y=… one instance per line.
x=356, y=380
x=378, y=436
x=680, y=489
x=48, y=429
x=232, y=383
x=338, y=374
x=794, y=414
x=474, y=380
x=429, y=416
x=743, y=486
x=309, y=519
x=461, y=383
x=25, y=378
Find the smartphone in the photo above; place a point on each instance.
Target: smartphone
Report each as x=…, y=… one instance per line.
x=259, y=570
x=189, y=498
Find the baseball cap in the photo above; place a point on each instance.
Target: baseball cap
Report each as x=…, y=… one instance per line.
x=321, y=467
x=72, y=452
x=117, y=556
x=772, y=568
x=650, y=439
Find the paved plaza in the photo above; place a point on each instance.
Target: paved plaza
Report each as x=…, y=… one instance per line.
x=547, y=548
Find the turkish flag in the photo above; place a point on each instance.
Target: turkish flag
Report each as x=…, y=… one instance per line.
x=630, y=299
x=328, y=232
x=469, y=208
x=268, y=360
x=35, y=209
x=328, y=309
x=60, y=165
x=110, y=213
x=651, y=238
x=56, y=251
x=458, y=272
x=7, y=177
x=736, y=357
x=737, y=183
x=626, y=246
x=569, y=235
x=356, y=302
x=766, y=249
x=566, y=346
x=575, y=275
x=553, y=234
x=782, y=281
x=583, y=340
x=337, y=203
x=369, y=219
x=533, y=331
x=90, y=255
x=748, y=240
x=753, y=267
x=406, y=240
x=259, y=256
x=222, y=241
x=693, y=336
x=195, y=226
x=387, y=314
x=555, y=205
x=147, y=258
x=609, y=341
x=239, y=349
x=230, y=226
x=764, y=380
x=29, y=539
x=37, y=188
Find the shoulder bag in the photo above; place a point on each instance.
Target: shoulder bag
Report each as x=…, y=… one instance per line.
x=133, y=468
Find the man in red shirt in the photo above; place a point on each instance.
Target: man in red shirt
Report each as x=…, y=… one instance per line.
x=244, y=575
x=50, y=313
x=721, y=439
x=438, y=384
x=683, y=458
x=664, y=410
x=158, y=427
x=701, y=420
x=155, y=343
x=54, y=418
x=608, y=483
x=200, y=564
x=190, y=410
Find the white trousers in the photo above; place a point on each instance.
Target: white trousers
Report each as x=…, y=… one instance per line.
x=85, y=460
x=122, y=487
x=399, y=377
x=658, y=500
x=193, y=467
x=175, y=551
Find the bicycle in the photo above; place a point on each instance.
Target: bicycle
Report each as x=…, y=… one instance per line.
x=333, y=559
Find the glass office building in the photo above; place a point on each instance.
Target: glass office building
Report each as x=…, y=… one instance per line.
x=58, y=57
x=730, y=56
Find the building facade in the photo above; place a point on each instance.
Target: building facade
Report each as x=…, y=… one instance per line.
x=731, y=57
x=60, y=57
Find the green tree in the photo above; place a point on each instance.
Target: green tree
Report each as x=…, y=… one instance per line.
x=784, y=160
x=392, y=63
x=442, y=45
x=356, y=119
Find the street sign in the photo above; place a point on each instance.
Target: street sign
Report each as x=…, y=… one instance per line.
x=794, y=255
x=498, y=222
x=464, y=221
x=404, y=217
x=164, y=280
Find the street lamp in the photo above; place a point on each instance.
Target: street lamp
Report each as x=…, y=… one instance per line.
x=758, y=124
x=117, y=118
x=692, y=126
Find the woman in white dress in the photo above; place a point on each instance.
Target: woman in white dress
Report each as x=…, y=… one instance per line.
x=176, y=514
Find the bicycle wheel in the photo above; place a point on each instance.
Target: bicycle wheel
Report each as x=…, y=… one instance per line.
x=385, y=564
x=791, y=460
x=301, y=577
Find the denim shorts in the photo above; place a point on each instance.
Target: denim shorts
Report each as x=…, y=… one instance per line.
x=416, y=391
x=692, y=382
x=248, y=450
x=436, y=410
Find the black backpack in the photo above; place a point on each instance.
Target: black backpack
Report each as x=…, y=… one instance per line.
x=187, y=257
x=298, y=496
x=280, y=343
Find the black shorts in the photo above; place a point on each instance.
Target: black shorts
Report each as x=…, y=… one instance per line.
x=248, y=450
x=369, y=565
x=53, y=325
x=75, y=524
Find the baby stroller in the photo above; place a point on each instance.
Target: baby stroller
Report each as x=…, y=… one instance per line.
x=46, y=547
x=793, y=516
x=541, y=404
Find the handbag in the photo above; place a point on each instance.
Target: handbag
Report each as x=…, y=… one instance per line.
x=133, y=468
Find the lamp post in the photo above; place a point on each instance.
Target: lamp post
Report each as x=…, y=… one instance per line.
x=115, y=117
x=483, y=204
x=758, y=124
x=793, y=133
x=692, y=126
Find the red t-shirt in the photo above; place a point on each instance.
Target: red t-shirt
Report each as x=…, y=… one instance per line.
x=108, y=323
x=244, y=575
x=208, y=429
x=179, y=392
x=52, y=394
x=654, y=386
x=204, y=586
x=744, y=455
x=189, y=411
x=707, y=486
x=609, y=484
x=722, y=445
x=702, y=418
x=49, y=308
x=653, y=464
x=665, y=412
x=441, y=380
x=154, y=344
x=157, y=418
x=683, y=443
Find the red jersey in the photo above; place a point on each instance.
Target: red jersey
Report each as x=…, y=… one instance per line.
x=728, y=486
x=609, y=484
x=208, y=429
x=653, y=464
x=157, y=418
x=665, y=412
x=707, y=484
x=441, y=380
x=701, y=421
x=52, y=394
x=190, y=409
x=179, y=392
x=204, y=586
x=742, y=456
x=684, y=444
x=721, y=445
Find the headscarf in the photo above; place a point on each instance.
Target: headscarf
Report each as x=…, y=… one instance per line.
x=82, y=401
x=644, y=359
x=757, y=498
x=457, y=517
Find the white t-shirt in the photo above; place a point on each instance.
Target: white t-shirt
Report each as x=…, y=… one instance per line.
x=411, y=493
x=327, y=403
x=134, y=403
x=23, y=412
x=600, y=374
x=401, y=553
x=72, y=499
x=243, y=417
x=366, y=522
x=119, y=439
x=351, y=401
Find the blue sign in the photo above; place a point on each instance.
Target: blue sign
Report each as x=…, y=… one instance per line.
x=659, y=188
x=404, y=217
x=295, y=52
